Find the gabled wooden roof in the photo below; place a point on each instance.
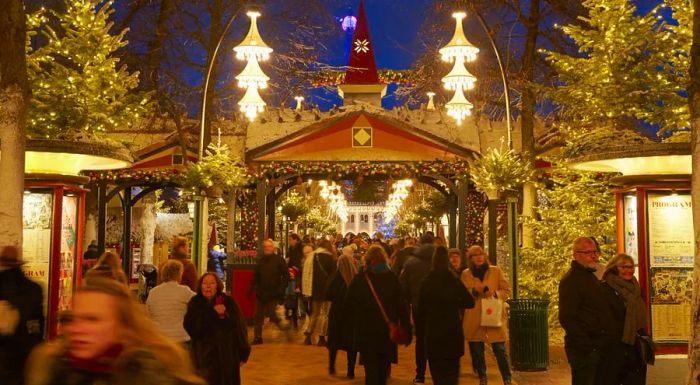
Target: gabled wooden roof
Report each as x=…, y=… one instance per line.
x=333, y=140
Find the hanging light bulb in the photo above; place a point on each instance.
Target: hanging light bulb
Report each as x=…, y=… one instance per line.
x=252, y=76
x=253, y=45
x=459, y=77
x=299, y=99
x=251, y=104
x=459, y=46
x=459, y=107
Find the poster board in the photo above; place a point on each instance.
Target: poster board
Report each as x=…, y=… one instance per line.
x=37, y=215
x=631, y=236
x=69, y=238
x=671, y=254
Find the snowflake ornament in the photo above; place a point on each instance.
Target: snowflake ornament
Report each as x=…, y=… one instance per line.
x=362, y=46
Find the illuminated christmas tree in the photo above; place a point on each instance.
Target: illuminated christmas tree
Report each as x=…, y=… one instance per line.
x=631, y=69
x=78, y=84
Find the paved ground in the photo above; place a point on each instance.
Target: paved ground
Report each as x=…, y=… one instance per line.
x=286, y=361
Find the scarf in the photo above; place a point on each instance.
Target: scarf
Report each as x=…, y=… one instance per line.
x=347, y=268
x=480, y=271
x=635, y=314
x=104, y=363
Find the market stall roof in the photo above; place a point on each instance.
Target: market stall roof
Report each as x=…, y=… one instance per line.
x=60, y=157
x=647, y=159
x=360, y=135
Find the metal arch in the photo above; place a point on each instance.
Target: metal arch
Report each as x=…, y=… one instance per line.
x=145, y=192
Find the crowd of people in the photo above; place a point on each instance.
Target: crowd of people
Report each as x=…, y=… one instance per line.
x=363, y=297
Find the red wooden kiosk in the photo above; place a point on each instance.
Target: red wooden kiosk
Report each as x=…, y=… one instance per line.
x=54, y=216
x=655, y=227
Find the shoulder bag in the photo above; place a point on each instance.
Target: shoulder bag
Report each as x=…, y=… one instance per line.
x=397, y=333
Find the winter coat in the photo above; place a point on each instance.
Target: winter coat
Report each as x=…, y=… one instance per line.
x=25, y=297
x=270, y=278
x=441, y=303
x=583, y=312
x=218, y=344
x=324, y=267
x=49, y=366
x=340, y=329
x=216, y=263
x=167, y=305
x=401, y=257
x=371, y=333
x=295, y=255
x=496, y=281
x=415, y=270
x=189, y=273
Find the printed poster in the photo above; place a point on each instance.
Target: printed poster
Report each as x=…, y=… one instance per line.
x=69, y=228
x=37, y=213
x=670, y=230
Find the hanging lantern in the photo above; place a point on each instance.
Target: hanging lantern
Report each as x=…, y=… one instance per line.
x=251, y=104
x=459, y=107
x=459, y=77
x=252, y=76
x=253, y=45
x=299, y=99
x=459, y=46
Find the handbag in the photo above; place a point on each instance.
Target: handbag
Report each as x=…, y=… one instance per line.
x=646, y=348
x=491, y=312
x=397, y=333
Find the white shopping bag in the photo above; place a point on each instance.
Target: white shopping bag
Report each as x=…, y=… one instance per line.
x=491, y=312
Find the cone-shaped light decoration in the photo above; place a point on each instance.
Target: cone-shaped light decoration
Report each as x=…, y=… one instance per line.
x=459, y=107
x=299, y=99
x=459, y=46
x=253, y=45
x=431, y=102
x=252, y=103
x=459, y=77
x=252, y=75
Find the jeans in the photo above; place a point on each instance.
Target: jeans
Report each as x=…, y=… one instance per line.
x=444, y=371
x=318, y=320
x=262, y=310
x=585, y=369
x=476, y=349
x=376, y=368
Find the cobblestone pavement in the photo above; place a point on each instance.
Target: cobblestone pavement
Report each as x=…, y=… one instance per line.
x=284, y=360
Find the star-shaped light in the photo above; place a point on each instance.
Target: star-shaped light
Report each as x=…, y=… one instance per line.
x=361, y=46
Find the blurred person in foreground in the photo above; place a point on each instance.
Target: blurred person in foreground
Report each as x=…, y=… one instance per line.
x=442, y=300
x=372, y=340
x=219, y=333
x=21, y=317
x=109, y=340
x=108, y=266
x=167, y=302
x=269, y=284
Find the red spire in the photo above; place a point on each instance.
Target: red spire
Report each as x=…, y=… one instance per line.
x=363, y=67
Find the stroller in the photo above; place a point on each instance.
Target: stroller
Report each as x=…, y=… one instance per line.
x=291, y=297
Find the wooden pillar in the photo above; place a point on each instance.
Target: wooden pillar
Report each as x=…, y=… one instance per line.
x=260, y=195
x=271, y=211
x=126, y=233
x=462, y=214
x=453, y=201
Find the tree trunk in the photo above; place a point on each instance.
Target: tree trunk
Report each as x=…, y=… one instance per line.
x=14, y=97
x=527, y=113
x=148, y=224
x=694, y=98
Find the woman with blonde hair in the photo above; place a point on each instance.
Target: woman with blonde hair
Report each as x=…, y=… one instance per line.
x=484, y=282
x=108, y=266
x=109, y=339
x=167, y=302
x=623, y=294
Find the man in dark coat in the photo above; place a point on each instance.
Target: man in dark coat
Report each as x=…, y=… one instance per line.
x=442, y=301
x=269, y=282
x=403, y=255
x=324, y=265
x=414, y=271
x=21, y=317
x=585, y=317
x=296, y=251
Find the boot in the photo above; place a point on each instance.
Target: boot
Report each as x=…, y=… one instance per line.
x=483, y=381
x=321, y=341
x=331, y=370
x=307, y=339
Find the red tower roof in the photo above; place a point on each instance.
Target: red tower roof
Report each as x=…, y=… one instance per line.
x=362, y=66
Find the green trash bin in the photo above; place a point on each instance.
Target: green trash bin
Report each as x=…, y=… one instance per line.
x=529, y=335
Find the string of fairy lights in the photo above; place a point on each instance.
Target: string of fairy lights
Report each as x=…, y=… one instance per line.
x=399, y=192
x=337, y=203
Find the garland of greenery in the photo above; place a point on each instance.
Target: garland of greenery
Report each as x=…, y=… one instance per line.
x=499, y=171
